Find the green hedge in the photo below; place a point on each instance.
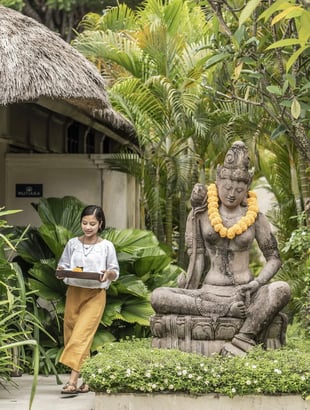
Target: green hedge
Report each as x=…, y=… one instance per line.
x=132, y=366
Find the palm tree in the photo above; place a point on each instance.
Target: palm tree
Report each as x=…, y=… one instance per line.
x=155, y=68
x=202, y=78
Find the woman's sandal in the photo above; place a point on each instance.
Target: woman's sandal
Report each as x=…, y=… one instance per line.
x=84, y=388
x=69, y=388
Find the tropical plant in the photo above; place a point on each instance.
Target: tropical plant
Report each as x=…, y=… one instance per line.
x=17, y=325
x=263, y=50
x=152, y=60
x=144, y=265
x=191, y=79
x=296, y=271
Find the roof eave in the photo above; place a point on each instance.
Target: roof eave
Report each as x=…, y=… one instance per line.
x=94, y=120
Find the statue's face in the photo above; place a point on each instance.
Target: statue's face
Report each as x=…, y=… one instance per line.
x=231, y=193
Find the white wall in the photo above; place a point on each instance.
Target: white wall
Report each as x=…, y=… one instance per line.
x=73, y=175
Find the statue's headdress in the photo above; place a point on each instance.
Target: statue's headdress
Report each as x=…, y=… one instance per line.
x=236, y=164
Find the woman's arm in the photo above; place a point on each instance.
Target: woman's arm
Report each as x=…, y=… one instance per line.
x=112, y=271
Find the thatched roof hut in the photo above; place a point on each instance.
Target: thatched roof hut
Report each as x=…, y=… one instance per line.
x=36, y=64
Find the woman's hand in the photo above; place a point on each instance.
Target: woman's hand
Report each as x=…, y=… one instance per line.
x=107, y=275
x=59, y=268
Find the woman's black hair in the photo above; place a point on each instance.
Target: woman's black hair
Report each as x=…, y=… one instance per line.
x=97, y=211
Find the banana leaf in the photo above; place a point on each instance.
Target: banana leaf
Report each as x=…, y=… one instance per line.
x=64, y=211
x=131, y=240
x=101, y=337
x=130, y=284
x=137, y=311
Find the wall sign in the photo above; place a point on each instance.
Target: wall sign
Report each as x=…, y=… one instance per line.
x=28, y=190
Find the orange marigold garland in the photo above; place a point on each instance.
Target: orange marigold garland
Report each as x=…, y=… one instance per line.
x=216, y=220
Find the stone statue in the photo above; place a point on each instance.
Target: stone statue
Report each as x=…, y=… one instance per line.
x=219, y=306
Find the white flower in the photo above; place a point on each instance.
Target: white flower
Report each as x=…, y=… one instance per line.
x=171, y=387
x=278, y=371
x=303, y=378
x=199, y=378
x=108, y=391
x=190, y=376
x=233, y=390
x=254, y=366
x=154, y=386
x=128, y=372
x=112, y=376
x=99, y=371
x=184, y=372
x=148, y=374
x=248, y=382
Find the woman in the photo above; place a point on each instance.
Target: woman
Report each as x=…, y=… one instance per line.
x=221, y=229
x=86, y=298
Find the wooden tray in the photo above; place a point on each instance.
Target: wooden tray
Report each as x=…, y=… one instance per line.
x=62, y=273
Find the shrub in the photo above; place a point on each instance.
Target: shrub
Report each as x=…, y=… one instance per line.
x=17, y=325
x=132, y=366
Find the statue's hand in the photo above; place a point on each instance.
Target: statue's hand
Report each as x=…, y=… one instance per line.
x=181, y=280
x=251, y=287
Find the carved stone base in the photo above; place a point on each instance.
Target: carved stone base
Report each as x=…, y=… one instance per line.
x=198, y=334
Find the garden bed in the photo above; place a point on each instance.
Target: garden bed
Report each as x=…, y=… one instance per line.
x=128, y=373
x=169, y=401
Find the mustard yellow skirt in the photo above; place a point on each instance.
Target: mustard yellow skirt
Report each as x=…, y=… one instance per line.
x=83, y=312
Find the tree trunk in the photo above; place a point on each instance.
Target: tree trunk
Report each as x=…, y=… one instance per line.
x=169, y=218
x=182, y=257
x=304, y=175
x=302, y=141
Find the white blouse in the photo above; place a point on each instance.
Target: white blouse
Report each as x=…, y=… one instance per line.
x=93, y=258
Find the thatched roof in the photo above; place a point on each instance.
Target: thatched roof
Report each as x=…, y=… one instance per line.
x=35, y=62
